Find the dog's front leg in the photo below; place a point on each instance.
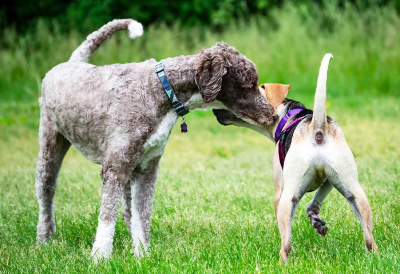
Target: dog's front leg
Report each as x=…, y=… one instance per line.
x=114, y=174
x=314, y=207
x=278, y=180
x=143, y=184
x=127, y=204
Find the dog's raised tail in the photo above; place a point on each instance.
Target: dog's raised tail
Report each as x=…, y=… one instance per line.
x=319, y=121
x=95, y=39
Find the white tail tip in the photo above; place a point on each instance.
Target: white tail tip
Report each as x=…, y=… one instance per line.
x=327, y=57
x=135, y=29
x=323, y=70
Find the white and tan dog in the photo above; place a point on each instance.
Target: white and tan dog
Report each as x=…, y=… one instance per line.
x=311, y=153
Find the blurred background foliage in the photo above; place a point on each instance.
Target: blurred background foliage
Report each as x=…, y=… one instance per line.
x=286, y=40
x=86, y=15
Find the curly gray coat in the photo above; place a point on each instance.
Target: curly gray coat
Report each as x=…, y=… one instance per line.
x=120, y=117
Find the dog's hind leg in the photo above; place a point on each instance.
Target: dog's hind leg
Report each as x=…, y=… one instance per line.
x=143, y=185
x=314, y=207
x=297, y=177
x=52, y=149
x=344, y=177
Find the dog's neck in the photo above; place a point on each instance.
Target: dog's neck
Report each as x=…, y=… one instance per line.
x=181, y=72
x=269, y=131
x=281, y=110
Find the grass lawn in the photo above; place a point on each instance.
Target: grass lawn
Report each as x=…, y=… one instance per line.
x=213, y=207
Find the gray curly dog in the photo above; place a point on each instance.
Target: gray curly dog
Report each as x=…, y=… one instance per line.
x=120, y=117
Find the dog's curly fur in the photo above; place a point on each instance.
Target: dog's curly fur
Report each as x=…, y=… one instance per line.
x=120, y=117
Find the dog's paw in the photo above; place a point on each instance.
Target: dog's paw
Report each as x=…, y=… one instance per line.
x=318, y=224
x=98, y=254
x=140, y=251
x=45, y=231
x=371, y=248
x=285, y=254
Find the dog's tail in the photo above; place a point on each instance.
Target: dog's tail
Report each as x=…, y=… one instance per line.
x=319, y=121
x=94, y=40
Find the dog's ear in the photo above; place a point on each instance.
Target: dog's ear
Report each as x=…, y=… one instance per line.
x=210, y=68
x=276, y=93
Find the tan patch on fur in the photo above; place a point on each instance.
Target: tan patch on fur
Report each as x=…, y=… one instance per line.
x=335, y=132
x=302, y=132
x=276, y=93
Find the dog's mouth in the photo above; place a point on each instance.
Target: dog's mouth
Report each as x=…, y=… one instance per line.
x=226, y=118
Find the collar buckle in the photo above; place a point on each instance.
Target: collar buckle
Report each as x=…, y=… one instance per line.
x=159, y=67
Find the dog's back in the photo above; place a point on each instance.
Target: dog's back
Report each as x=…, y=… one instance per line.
x=87, y=102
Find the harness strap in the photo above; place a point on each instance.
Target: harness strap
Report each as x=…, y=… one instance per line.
x=283, y=121
x=179, y=108
x=282, y=138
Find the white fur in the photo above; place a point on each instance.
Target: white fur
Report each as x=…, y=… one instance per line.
x=103, y=245
x=322, y=76
x=251, y=122
x=155, y=145
x=319, y=116
x=137, y=227
x=135, y=29
x=196, y=103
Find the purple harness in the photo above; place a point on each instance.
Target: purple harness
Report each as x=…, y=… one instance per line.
x=280, y=132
